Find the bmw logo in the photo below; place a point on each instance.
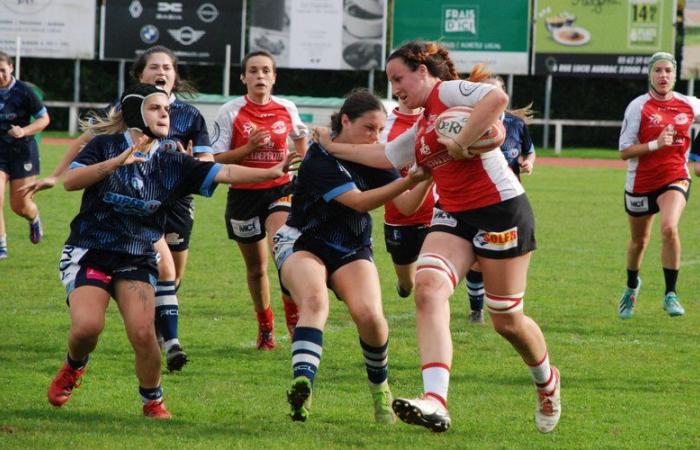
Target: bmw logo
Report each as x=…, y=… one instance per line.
x=149, y=34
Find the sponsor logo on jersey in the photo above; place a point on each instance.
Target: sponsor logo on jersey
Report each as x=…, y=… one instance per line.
x=436, y=160
x=130, y=205
x=441, y=217
x=424, y=148
x=137, y=183
x=681, y=119
x=655, y=119
x=168, y=145
x=173, y=239
x=497, y=241
x=466, y=89
x=248, y=128
x=246, y=228
x=279, y=127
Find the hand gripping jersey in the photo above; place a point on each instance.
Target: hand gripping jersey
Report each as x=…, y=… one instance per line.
x=645, y=119
x=125, y=212
x=518, y=141
x=18, y=104
x=315, y=214
x=461, y=185
x=396, y=124
x=240, y=117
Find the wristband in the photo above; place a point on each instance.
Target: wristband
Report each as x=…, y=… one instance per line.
x=653, y=145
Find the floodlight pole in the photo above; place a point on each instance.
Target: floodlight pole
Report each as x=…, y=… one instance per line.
x=120, y=83
x=73, y=110
x=547, y=103
x=370, y=80
x=509, y=86
x=227, y=70
x=18, y=45
x=691, y=87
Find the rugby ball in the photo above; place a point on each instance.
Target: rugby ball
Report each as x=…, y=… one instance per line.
x=451, y=121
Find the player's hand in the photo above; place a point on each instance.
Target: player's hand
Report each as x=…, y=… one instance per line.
x=419, y=173
x=290, y=163
x=16, y=132
x=136, y=153
x=182, y=149
x=454, y=149
x=526, y=166
x=322, y=135
x=666, y=136
x=258, y=138
x=37, y=185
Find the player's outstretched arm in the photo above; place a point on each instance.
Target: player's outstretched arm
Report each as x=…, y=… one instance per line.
x=233, y=173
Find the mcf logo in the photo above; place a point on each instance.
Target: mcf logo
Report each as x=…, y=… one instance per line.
x=497, y=241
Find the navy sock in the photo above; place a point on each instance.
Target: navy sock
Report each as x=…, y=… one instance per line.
x=167, y=312
x=307, y=347
x=76, y=364
x=670, y=276
x=632, y=278
x=376, y=362
x=475, y=290
x=148, y=394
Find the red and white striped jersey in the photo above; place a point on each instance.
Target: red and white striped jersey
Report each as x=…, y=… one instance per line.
x=461, y=184
x=240, y=117
x=645, y=119
x=396, y=123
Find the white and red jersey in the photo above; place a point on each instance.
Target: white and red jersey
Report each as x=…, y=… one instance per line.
x=396, y=123
x=645, y=119
x=464, y=184
x=240, y=117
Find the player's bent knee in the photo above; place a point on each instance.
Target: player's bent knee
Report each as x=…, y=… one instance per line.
x=504, y=304
x=437, y=264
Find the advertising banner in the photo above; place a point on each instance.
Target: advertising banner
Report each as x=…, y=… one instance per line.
x=196, y=30
x=494, y=32
x=690, y=66
x=47, y=28
x=601, y=38
x=320, y=34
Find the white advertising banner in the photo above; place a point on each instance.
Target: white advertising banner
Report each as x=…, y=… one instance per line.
x=320, y=34
x=48, y=28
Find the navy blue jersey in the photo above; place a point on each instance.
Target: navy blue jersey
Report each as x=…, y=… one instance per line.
x=518, y=141
x=695, y=149
x=18, y=104
x=125, y=212
x=186, y=124
x=317, y=215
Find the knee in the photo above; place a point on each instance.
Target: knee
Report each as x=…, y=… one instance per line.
x=370, y=318
x=427, y=294
x=314, y=305
x=669, y=232
x=256, y=271
x=639, y=243
x=506, y=325
x=142, y=337
x=86, y=330
x=19, y=206
x=166, y=270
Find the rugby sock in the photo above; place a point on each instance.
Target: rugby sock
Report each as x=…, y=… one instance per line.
x=376, y=362
x=543, y=375
x=632, y=278
x=475, y=290
x=307, y=346
x=76, y=364
x=148, y=394
x=670, y=276
x=291, y=313
x=167, y=313
x=436, y=381
x=266, y=320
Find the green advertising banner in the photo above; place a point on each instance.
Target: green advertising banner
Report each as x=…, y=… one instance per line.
x=690, y=66
x=601, y=37
x=493, y=32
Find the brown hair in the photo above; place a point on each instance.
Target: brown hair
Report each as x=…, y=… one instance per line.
x=180, y=86
x=246, y=58
x=432, y=55
x=357, y=102
x=6, y=58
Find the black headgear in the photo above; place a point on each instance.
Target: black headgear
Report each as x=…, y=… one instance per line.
x=132, y=102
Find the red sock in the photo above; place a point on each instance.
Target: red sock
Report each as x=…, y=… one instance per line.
x=266, y=319
x=291, y=314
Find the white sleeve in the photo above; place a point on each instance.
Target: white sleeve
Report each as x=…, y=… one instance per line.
x=223, y=129
x=463, y=92
x=401, y=150
x=299, y=128
x=695, y=103
x=629, y=134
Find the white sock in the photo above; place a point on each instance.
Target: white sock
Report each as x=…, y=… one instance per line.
x=543, y=375
x=436, y=379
